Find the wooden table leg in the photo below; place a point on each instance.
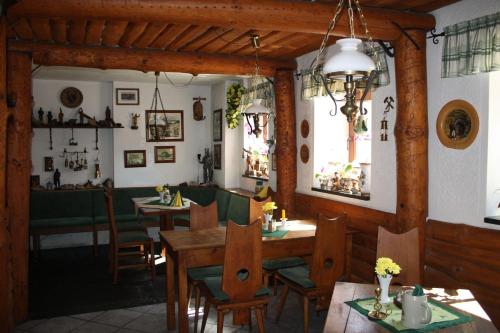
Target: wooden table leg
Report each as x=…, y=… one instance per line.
x=170, y=290
x=183, y=295
x=348, y=256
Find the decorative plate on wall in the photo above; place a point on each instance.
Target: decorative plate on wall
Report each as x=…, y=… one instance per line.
x=304, y=128
x=457, y=124
x=71, y=97
x=304, y=154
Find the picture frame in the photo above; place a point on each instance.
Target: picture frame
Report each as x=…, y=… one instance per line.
x=217, y=125
x=457, y=124
x=273, y=162
x=127, y=96
x=134, y=158
x=217, y=156
x=48, y=164
x=164, y=125
x=164, y=154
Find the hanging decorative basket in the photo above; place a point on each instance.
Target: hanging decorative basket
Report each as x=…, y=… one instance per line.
x=233, y=98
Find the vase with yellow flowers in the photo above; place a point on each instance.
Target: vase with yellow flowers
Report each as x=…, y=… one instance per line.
x=268, y=209
x=385, y=269
x=163, y=192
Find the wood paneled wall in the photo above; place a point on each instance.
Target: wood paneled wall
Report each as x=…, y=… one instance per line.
x=456, y=255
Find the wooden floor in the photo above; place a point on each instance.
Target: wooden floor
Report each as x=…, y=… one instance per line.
x=152, y=319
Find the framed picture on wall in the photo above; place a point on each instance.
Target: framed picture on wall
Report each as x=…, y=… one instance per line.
x=127, y=96
x=217, y=156
x=134, y=158
x=217, y=125
x=164, y=125
x=164, y=154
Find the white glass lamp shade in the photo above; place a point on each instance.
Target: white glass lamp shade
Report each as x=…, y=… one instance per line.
x=256, y=108
x=349, y=61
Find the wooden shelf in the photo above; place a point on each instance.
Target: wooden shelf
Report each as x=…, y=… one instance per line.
x=74, y=126
x=255, y=177
x=365, y=197
x=492, y=220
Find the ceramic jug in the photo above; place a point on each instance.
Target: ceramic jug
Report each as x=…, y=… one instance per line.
x=416, y=311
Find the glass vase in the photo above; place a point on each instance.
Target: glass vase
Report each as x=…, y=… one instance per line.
x=384, y=282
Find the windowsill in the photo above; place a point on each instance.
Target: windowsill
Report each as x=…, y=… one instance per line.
x=365, y=197
x=492, y=220
x=255, y=177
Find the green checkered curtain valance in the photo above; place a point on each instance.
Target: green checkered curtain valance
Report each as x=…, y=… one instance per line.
x=472, y=47
x=261, y=89
x=313, y=86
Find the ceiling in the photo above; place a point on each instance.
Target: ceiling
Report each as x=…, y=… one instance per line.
x=184, y=37
x=108, y=75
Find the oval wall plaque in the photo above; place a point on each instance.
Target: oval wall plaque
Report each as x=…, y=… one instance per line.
x=304, y=128
x=304, y=154
x=457, y=124
x=71, y=97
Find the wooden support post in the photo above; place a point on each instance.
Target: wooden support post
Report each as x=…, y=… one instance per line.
x=6, y=313
x=286, y=145
x=18, y=175
x=411, y=135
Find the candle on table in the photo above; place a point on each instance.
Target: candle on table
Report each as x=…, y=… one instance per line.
x=283, y=214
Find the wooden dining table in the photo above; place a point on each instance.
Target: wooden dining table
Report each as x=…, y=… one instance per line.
x=342, y=318
x=166, y=213
x=186, y=249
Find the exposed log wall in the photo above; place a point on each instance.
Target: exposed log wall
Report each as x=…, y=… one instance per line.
x=18, y=174
x=411, y=133
x=287, y=15
x=286, y=145
x=147, y=60
x=6, y=305
x=456, y=255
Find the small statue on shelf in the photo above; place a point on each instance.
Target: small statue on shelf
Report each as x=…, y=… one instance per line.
x=207, y=161
x=57, y=180
x=40, y=116
x=134, y=121
x=49, y=117
x=109, y=121
x=60, y=117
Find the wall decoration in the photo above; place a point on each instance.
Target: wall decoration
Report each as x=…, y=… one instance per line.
x=127, y=96
x=457, y=124
x=218, y=156
x=304, y=128
x=71, y=97
x=384, y=133
x=135, y=116
x=48, y=163
x=273, y=162
x=198, y=108
x=233, y=99
x=164, y=154
x=217, y=125
x=134, y=158
x=304, y=154
x=164, y=125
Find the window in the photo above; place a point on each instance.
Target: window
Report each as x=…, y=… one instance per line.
x=256, y=149
x=342, y=151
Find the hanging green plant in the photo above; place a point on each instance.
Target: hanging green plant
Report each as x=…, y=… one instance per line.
x=233, y=97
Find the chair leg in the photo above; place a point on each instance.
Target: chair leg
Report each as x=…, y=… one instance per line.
x=266, y=279
x=206, y=310
x=196, y=306
x=260, y=319
x=306, y=314
x=275, y=286
x=284, y=294
x=152, y=259
x=190, y=293
x=220, y=321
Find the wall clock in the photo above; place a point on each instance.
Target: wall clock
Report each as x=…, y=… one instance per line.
x=457, y=124
x=71, y=97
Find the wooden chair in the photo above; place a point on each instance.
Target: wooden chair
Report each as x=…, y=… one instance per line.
x=127, y=239
x=201, y=218
x=404, y=250
x=270, y=193
x=255, y=209
x=240, y=287
x=318, y=281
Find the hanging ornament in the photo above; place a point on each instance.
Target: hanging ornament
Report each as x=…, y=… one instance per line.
x=198, y=108
x=383, y=123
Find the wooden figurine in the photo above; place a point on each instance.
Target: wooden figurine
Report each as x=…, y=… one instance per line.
x=134, y=121
x=40, y=115
x=60, y=117
x=57, y=179
x=198, y=109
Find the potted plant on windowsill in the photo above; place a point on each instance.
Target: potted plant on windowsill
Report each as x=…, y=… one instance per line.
x=323, y=179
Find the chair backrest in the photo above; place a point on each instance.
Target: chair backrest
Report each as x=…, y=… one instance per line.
x=270, y=193
x=328, y=259
x=203, y=217
x=108, y=196
x=255, y=209
x=403, y=249
x=242, y=275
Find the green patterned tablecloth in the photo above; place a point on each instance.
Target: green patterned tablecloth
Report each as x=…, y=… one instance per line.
x=442, y=316
x=274, y=234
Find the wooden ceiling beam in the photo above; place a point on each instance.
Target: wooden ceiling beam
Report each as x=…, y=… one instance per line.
x=77, y=31
x=153, y=30
x=41, y=29
x=132, y=33
x=305, y=17
x=94, y=32
x=47, y=54
x=59, y=30
x=113, y=32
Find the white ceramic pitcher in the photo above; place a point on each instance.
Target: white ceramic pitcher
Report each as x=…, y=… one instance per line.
x=416, y=311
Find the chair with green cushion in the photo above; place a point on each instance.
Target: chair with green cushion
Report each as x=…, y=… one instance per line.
x=238, y=209
x=138, y=239
x=240, y=288
x=317, y=282
x=222, y=197
x=201, y=218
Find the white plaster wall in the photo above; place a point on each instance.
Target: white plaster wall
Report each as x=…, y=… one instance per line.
x=383, y=169
x=493, y=166
x=457, y=178
x=197, y=136
x=219, y=102
x=96, y=96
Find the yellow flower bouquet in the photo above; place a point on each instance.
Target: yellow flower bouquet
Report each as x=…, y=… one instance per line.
x=268, y=207
x=386, y=266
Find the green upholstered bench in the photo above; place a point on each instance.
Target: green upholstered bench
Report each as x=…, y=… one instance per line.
x=58, y=212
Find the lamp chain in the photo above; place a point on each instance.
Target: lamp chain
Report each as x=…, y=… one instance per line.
x=367, y=33
x=322, y=48
x=351, y=18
